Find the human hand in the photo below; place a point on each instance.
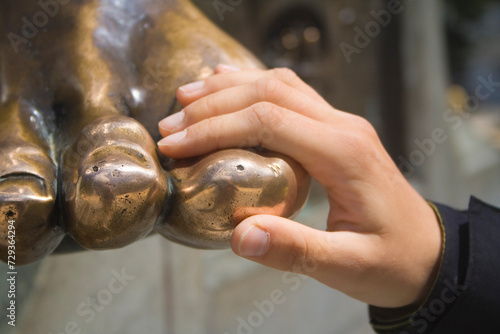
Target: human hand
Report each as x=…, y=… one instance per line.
x=382, y=243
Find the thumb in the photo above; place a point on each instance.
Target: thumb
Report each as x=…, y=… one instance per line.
x=357, y=264
x=284, y=244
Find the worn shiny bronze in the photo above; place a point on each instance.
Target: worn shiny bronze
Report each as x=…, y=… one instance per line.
x=212, y=194
x=83, y=85
x=114, y=188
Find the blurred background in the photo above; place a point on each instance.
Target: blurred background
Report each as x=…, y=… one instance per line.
x=426, y=73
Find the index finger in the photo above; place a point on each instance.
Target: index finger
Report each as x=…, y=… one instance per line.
x=189, y=93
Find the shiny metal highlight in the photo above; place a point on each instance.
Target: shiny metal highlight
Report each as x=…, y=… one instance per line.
x=212, y=194
x=80, y=99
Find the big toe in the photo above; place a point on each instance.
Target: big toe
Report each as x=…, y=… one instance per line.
x=27, y=200
x=116, y=192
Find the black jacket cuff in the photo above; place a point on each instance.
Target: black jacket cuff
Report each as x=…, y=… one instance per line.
x=466, y=294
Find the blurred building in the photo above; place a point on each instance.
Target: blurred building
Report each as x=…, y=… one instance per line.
x=349, y=51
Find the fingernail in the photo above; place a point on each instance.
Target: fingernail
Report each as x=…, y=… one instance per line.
x=254, y=242
x=172, y=139
x=192, y=87
x=172, y=122
x=228, y=68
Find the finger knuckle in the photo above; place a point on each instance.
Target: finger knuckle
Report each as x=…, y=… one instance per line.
x=209, y=104
x=359, y=135
x=285, y=74
x=267, y=115
x=364, y=125
x=266, y=87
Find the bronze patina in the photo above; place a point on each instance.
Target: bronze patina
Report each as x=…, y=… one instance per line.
x=83, y=84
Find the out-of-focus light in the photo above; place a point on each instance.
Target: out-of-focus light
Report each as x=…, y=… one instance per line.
x=312, y=34
x=289, y=40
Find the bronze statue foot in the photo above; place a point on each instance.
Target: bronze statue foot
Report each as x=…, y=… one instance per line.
x=212, y=194
x=101, y=69
x=113, y=186
x=27, y=187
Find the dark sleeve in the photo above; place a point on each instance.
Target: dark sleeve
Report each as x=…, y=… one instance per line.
x=466, y=294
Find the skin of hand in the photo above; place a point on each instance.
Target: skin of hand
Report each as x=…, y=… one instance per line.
x=383, y=242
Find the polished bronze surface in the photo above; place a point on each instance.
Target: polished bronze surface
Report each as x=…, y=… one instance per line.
x=83, y=85
x=212, y=194
x=113, y=192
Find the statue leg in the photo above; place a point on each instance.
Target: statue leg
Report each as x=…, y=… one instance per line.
x=113, y=188
x=212, y=194
x=127, y=60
